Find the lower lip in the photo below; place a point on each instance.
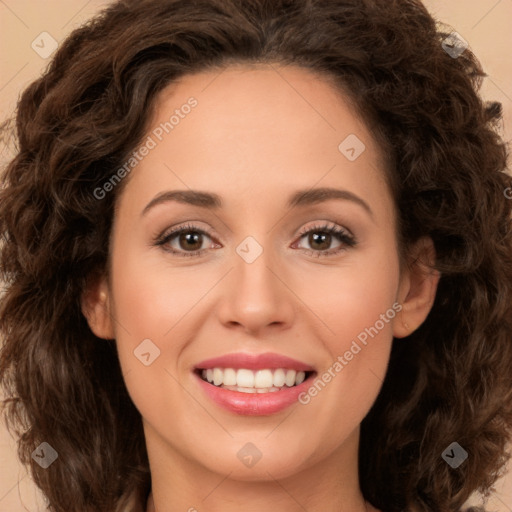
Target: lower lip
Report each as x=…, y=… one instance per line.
x=254, y=404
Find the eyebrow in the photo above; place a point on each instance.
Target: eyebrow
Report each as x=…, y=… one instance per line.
x=213, y=201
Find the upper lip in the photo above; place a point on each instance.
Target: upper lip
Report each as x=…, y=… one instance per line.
x=268, y=360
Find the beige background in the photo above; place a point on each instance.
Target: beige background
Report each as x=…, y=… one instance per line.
x=485, y=24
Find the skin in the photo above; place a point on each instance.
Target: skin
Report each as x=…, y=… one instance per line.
x=257, y=135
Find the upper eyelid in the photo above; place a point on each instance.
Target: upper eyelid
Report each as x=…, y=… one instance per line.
x=318, y=225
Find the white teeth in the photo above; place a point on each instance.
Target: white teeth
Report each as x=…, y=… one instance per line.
x=252, y=390
x=217, y=376
x=245, y=390
x=229, y=377
x=244, y=378
x=248, y=381
x=279, y=377
x=290, y=377
x=263, y=379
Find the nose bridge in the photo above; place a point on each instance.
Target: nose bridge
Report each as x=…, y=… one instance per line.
x=257, y=296
x=253, y=276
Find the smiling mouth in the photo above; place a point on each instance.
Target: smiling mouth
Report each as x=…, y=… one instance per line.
x=253, y=381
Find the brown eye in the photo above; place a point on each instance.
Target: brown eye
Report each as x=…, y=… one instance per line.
x=189, y=240
x=183, y=241
x=320, y=239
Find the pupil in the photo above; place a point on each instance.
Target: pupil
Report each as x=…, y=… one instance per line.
x=324, y=236
x=187, y=237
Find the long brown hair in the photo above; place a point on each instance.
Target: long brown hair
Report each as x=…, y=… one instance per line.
x=449, y=381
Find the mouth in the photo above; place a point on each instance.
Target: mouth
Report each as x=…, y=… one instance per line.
x=248, y=384
x=244, y=380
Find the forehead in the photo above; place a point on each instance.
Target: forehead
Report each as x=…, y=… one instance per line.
x=263, y=95
x=257, y=128
x=252, y=104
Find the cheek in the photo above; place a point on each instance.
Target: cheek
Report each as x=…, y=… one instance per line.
x=150, y=337
x=359, y=345
x=351, y=299
x=149, y=307
x=151, y=296
x=359, y=309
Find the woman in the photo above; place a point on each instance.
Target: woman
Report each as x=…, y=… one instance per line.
x=249, y=369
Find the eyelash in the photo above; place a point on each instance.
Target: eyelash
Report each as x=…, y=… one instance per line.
x=347, y=239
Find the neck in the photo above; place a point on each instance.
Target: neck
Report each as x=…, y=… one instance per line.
x=151, y=506
x=329, y=485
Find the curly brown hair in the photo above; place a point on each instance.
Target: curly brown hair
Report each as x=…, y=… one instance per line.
x=450, y=380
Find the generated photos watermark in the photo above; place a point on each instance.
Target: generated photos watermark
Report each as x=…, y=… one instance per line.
x=45, y=455
x=342, y=360
x=454, y=455
x=454, y=45
x=143, y=150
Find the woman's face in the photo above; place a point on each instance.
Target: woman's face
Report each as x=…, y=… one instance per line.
x=254, y=271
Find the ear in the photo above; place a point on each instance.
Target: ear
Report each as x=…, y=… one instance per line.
x=417, y=289
x=96, y=307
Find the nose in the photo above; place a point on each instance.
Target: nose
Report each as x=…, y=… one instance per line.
x=256, y=297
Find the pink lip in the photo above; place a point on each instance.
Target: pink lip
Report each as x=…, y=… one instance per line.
x=253, y=404
x=255, y=362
